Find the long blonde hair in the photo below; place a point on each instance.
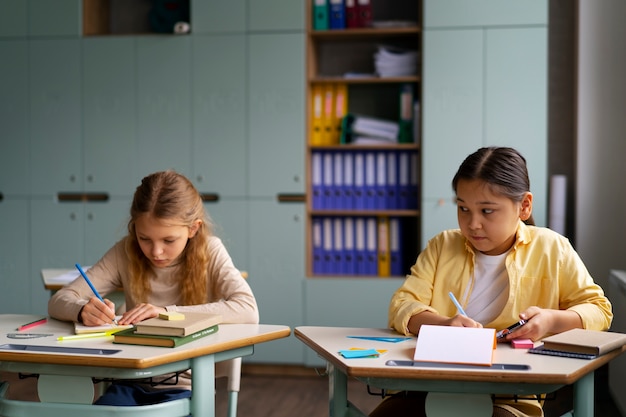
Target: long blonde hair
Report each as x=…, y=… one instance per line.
x=168, y=195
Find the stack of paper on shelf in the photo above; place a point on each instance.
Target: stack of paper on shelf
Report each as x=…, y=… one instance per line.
x=363, y=130
x=170, y=333
x=391, y=61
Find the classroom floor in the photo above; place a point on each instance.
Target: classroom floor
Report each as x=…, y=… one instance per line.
x=304, y=393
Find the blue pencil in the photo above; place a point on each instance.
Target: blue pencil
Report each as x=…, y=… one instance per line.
x=93, y=289
x=457, y=304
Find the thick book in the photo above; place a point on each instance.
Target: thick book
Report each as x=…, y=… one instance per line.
x=192, y=323
x=131, y=337
x=592, y=342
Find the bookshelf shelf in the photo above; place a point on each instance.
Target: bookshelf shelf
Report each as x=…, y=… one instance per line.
x=372, y=195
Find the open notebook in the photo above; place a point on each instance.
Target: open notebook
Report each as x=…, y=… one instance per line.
x=80, y=328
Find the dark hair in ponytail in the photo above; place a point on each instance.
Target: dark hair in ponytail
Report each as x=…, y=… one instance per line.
x=501, y=167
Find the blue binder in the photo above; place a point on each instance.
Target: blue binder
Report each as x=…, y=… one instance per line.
x=391, y=191
x=338, y=250
x=359, y=181
x=359, y=245
x=327, y=180
x=318, y=267
x=370, y=181
x=316, y=181
x=327, y=245
x=349, y=246
x=337, y=14
x=337, y=186
x=414, y=182
x=348, y=181
x=404, y=180
x=371, y=246
x=380, y=187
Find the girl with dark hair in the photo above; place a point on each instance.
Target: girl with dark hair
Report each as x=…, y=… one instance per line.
x=500, y=268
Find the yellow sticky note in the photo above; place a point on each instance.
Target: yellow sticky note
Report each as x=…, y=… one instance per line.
x=171, y=315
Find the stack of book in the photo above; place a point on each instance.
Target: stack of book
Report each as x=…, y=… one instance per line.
x=395, y=62
x=365, y=130
x=169, y=332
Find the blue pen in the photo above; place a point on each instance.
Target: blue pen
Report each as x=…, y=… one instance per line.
x=457, y=304
x=93, y=289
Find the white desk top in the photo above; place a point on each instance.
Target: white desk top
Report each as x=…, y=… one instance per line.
x=327, y=341
x=229, y=336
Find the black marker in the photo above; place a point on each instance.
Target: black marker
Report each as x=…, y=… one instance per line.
x=510, y=329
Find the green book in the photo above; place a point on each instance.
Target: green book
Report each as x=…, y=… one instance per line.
x=129, y=337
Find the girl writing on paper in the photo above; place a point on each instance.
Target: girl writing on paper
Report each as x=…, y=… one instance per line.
x=169, y=261
x=501, y=268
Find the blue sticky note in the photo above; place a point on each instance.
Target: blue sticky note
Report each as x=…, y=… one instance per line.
x=360, y=353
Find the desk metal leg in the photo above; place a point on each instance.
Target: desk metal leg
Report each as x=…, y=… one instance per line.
x=203, y=386
x=584, y=396
x=338, y=404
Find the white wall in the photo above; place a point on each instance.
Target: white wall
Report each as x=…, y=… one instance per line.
x=601, y=147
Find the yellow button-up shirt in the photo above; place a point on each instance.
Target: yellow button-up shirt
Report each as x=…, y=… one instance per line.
x=544, y=270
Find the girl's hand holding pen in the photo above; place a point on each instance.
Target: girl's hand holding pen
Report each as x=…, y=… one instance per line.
x=97, y=313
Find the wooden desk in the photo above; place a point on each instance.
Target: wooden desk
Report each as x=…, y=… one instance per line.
x=78, y=361
x=546, y=374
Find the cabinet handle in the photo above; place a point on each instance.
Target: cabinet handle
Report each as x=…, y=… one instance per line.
x=210, y=197
x=82, y=197
x=291, y=198
x=1, y=196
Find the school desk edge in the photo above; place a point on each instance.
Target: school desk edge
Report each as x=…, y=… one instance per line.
x=326, y=341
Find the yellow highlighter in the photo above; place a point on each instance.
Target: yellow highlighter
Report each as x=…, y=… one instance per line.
x=88, y=335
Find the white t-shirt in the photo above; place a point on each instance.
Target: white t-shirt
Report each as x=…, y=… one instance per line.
x=491, y=288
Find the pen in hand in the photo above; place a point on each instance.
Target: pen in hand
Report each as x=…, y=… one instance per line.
x=93, y=289
x=457, y=304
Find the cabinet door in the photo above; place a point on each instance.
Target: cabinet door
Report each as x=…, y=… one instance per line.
x=55, y=18
x=218, y=16
x=56, y=236
x=15, y=272
x=273, y=15
x=105, y=224
x=449, y=13
x=219, y=112
x=326, y=304
x=277, y=274
x=453, y=106
x=164, y=104
x=230, y=223
x=55, y=116
x=14, y=160
x=516, y=104
x=109, y=109
x=276, y=114
x=438, y=214
x=13, y=19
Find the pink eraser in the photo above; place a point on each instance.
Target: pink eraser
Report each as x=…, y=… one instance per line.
x=522, y=343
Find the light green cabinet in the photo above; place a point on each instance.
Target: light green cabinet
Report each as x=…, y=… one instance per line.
x=14, y=140
x=55, y=115
x=64, y=233
x=275, y=15
x=484, y=83
x=352, y=302
x=13, y=19
x=220, y=145
x=109, y=107
x=218, y=16
x=15, y=273
x=231, y=224
x=55, y=18
x=163, y=104
x=277, y=274
x=276, y=111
